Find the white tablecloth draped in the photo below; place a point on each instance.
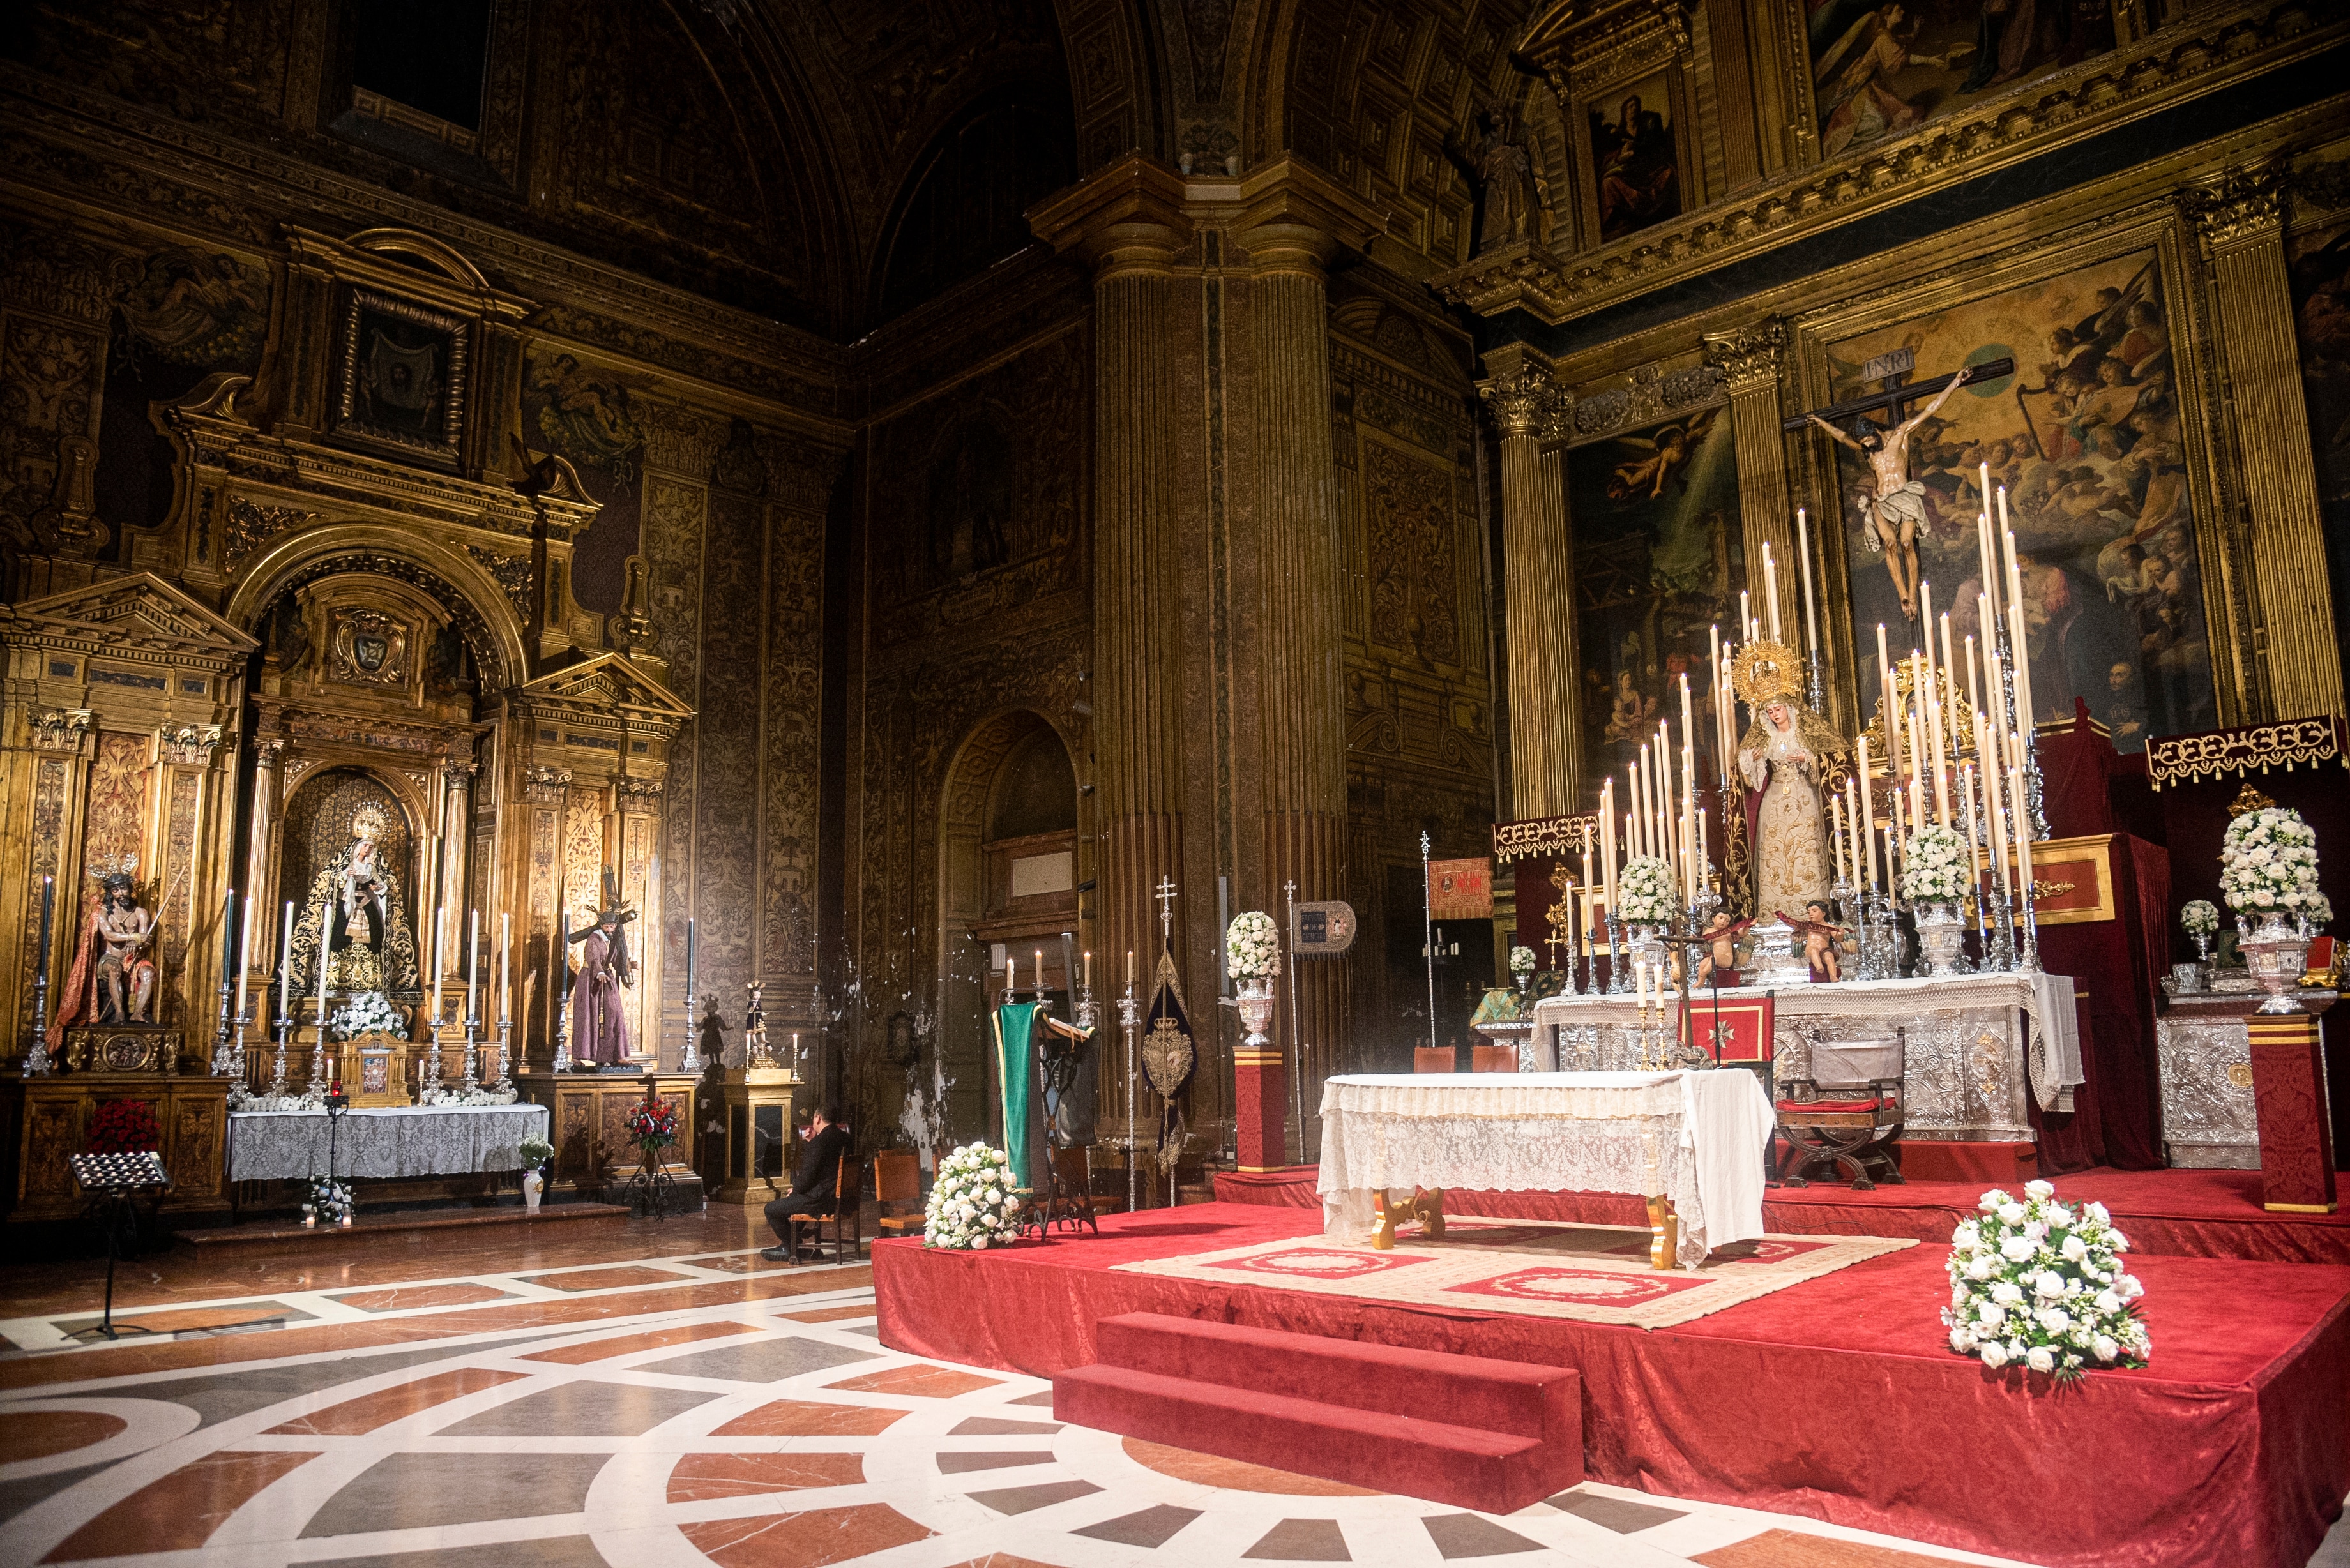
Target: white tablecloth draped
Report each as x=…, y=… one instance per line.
x=1695, y=1137
x=391, y=1141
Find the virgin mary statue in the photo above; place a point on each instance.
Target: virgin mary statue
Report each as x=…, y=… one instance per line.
x=355, y=906
x=1782, y=762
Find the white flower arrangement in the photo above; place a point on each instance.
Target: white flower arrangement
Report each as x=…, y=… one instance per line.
x=368, y=1012
x=1253, y=947
x=2036, y=1282
x=1934, y=870
x=2268, y=864
x=1644, y=892
x=974, y=1203
x=1522, y=962
x=2200, y=919
x=330, y=1200
x=2318, y=912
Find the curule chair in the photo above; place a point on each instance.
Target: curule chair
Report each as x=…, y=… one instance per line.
x=897, y=1192
x=1850, y=1112
x=847, y=1218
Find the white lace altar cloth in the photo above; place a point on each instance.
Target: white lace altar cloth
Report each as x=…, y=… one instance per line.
x=1695, y=1137
x=389, y=1141
x=1978, y=1042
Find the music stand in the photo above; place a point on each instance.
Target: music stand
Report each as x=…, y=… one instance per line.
x=111, y=1179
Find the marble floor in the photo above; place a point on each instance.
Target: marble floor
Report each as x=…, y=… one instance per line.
x=654, y=1394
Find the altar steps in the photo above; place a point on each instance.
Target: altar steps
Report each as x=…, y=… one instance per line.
x=264, y=1237
x=1337, y=1410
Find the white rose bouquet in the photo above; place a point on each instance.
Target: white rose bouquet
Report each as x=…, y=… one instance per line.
x=2200, y=919
x=1251, y=947
x=973, y=1202
x=1522, y=962
x=1644, y=892
x=1934, y=871
x=2268, y=864
x=367, y=1014
x=2036, y=1282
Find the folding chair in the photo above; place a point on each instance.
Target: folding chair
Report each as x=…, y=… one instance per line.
x=1849, y=1113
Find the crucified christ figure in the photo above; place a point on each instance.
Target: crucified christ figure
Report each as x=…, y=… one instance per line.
x=1896, y=509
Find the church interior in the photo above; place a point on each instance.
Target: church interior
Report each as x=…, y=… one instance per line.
x=1538, y=779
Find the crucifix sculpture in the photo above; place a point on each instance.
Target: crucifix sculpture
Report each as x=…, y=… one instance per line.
x=1892, y=509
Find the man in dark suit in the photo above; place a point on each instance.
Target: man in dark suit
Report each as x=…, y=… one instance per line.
x=821, y=1147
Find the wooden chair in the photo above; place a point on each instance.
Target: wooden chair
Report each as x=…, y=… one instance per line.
x=847, y=1218
x=1432, y=1059
x=897, y=1192
x=1849, y=1113
x=1493, y=1059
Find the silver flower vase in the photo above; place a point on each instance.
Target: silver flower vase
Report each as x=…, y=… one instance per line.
x=2277, y=953
x=1255, y=998
x=1941, y=938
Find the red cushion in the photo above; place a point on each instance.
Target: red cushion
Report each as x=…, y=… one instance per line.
x=1799, y=1107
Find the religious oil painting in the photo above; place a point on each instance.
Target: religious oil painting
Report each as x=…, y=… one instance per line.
x=1658, y=563
x=2320, y=271
x=1880, y=70
x=2084, y=437
x=1633, y=156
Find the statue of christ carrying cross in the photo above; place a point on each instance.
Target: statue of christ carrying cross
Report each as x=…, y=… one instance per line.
x=1895, y=510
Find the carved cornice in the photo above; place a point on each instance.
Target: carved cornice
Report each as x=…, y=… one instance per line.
x=2240, y=205
x=1582, y=46
x=2223, y=45
x=1652, y=393
x=1747, y=356
x=1127, y=217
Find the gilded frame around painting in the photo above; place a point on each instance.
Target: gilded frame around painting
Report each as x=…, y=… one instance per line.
x=2155, y=226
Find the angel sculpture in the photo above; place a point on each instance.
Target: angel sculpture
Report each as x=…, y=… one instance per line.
x=1667, y=454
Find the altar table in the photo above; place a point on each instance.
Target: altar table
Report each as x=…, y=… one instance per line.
x=1977, y=1043
x=1693, y=1140
x=394, y=1141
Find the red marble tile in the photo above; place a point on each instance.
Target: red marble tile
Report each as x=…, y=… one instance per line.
x=627, y=1344
x=124, y=1360
x=606, y=1279
x=178, y=1512
x=803, y=1419
x=1233, y=1475
x=1002, y=1559
x=38, y=1434
x=703, y=1476
x=918, y=1382
x=385, y=1405
x=809, y=1539
x=1790, y=1549
x=829, y=1315
x=399, y=1298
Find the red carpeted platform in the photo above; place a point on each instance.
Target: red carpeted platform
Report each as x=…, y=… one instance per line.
x=1837, y=1398
x=2176, y=1213
x=1469, y=1430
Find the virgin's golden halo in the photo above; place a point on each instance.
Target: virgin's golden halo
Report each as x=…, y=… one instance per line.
x=1766, y=672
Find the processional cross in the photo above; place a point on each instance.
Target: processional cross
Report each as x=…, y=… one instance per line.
x=1166, y=896
x=1893, y=508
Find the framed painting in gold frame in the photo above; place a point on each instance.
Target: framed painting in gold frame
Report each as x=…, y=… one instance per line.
x=2109, y=464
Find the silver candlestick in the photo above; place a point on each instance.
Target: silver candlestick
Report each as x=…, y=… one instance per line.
x=277, y=1065
x=505, y=1053
x=1130, y=1020
x=689, y=1059
x=467, y=1081
x=221, y=1048
x=1618, y=984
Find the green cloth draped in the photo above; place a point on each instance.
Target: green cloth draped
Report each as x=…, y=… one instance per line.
x=1015, y=1026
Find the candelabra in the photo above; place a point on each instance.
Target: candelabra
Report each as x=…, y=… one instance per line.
x=689, y=1059
x=505, y=1053
x=221, y=1046
x=37, y=1060
x=467, y=1082
x=1841, y=897
x=430, y=1092
x=1618, y=983
x=278, y=1064
x=1085, y=1018
x=1880, y=956
x=2027, y=962
x=318, y=1060
x=1129, y=1020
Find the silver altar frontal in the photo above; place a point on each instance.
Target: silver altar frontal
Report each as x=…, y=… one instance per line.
x=2204, y=1056
x=1978, y=1044
x=404, y=1141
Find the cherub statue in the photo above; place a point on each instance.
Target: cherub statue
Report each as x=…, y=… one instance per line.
x=1718, y=958
x=1821, y=941
x=1895, y=509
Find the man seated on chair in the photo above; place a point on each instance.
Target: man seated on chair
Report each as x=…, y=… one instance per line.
x=822, y=1145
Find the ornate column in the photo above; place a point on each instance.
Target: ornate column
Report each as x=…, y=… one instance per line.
x=1538, y=567
x=267, y=751
x=456, y=842
x=2296, y=642
x=1751, y=359
x=1293, y=222
x=1127, y=222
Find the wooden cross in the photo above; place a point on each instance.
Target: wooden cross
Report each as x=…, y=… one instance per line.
x=1166, y=906
x=1893, y=369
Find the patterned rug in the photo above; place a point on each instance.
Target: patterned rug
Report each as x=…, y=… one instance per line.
x=1597, y=1273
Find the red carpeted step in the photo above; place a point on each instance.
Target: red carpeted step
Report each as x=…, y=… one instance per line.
x=1466, y=1430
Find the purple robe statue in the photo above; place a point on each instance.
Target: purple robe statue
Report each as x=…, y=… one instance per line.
x=599, y=1026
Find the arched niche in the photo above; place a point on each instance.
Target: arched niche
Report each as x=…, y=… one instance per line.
x=317, y=826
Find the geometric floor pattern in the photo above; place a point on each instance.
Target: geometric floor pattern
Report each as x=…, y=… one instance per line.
x=761, y=1433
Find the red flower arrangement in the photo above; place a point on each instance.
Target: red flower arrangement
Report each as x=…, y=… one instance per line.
x=653, y=1124
x=124, y=1126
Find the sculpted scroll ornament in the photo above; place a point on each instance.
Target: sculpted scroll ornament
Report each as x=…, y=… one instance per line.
x=62, y=729
x=370, y=648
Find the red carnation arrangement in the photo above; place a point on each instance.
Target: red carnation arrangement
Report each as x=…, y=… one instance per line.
x=653, y=1124
x=124, y=1126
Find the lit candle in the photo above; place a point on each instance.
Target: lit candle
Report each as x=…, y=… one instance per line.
x=506, y=973
x=1771, y=589
x=1040, y=969
x=244, y=955
x=286, y=966
x=1803, y=555
x=1606, y=828
x=472, y=962
x=1011, y=984
x=1688, y=730
x=1867, y=820
x=1129, y=969
x=1089, y=969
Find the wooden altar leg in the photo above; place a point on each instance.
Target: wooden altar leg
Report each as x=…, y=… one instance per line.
x=1664, y=1233
x=1429, y=1206
x=1383, y=1239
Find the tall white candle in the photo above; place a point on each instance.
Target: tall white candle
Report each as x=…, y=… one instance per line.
x=2023, y=835
x=1835, y=832
x=1867, y=809
x=1770, y=589
x=286, y=967
x=505, y=969
x=1916, y=775
x=1745, y=615
x=1804, y=558
x=472, y=960
x=2026, y=714
x=432, y=986
x=326, y=927
x=1974, y=866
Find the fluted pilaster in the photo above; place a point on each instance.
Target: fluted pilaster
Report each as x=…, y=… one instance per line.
x=1538, y=564
x=2241, y=219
